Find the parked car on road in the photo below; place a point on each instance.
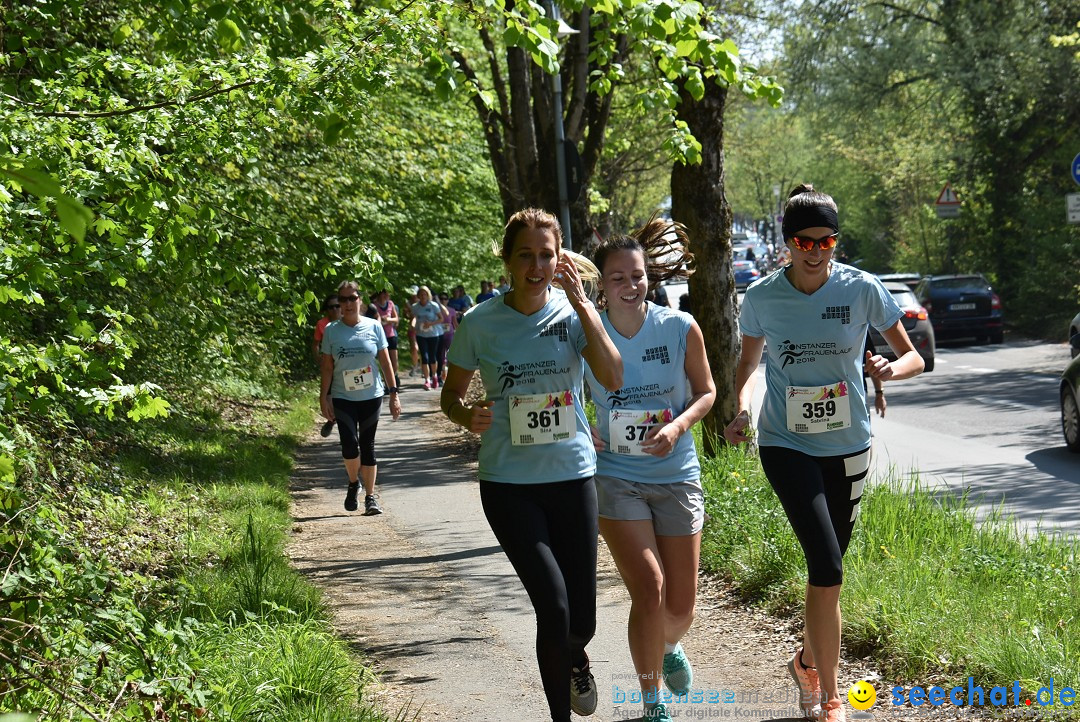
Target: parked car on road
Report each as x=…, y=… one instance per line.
x=962, y=306
x=746, y=272
x=911, y=280
x=1070, y=399
x=1074, y=331
x=916, y=322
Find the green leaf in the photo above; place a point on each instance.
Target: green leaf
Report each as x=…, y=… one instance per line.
x=229, y=36
x=686, y=47
x=121, y=34
x=85, y=330
x=694, y=84
x=74, y=217
x=7, y=473
x=40, y=184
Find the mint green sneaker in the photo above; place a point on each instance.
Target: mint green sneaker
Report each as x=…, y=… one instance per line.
x=658, y=713
x=678, y=674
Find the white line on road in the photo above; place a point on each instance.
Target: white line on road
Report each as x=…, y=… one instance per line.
x=1008, y=404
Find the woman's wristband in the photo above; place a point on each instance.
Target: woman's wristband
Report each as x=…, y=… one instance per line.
x=450, y=411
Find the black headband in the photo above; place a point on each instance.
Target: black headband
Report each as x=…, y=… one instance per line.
x=802, y=217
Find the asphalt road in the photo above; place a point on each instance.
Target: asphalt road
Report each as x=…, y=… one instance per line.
x=986, y=419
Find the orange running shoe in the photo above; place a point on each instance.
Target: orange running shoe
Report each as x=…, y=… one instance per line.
x=833, y=711
x=807, y=680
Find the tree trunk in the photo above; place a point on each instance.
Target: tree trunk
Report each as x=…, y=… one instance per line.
x=699, y=203
x=521, y=135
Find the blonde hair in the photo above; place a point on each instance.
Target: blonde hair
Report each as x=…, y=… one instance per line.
x=542, y=220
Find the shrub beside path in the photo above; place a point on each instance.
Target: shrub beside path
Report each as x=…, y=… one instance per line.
x=426, y=594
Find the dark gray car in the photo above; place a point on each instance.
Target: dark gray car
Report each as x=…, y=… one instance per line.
x=1070, y=399
x=962, y=305
x=916, y=322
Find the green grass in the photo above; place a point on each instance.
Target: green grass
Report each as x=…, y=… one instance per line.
x=931, y=594
x=169, y=588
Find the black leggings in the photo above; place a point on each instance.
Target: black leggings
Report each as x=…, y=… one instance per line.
x=821, y=496
x=444, y=346
x=429, y=349
x=548, y=531
x=356, y=423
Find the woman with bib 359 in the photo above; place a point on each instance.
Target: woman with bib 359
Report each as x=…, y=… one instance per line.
x=648, y=479
x=814, y=429
x=536, y=456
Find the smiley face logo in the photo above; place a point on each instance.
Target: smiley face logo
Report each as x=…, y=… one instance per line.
x=862, y=695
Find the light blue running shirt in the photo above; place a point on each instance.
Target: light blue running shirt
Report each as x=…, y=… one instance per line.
x=816, y=341
x=654, y=380
x=428, y=312
x=536, y=357
x=355, y=349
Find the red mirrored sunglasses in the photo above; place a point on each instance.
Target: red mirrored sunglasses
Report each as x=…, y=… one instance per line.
x=807, y=244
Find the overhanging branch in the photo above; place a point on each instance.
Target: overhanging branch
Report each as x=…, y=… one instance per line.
x=151, y=106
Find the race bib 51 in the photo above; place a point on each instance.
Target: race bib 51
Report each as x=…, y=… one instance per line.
x=358, y=379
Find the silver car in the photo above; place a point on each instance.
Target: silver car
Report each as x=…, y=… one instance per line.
x=1074, y=330
x=916, y=322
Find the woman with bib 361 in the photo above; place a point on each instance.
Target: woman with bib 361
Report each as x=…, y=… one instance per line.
x=536, y=456
x=814, y=429
x=648, y=480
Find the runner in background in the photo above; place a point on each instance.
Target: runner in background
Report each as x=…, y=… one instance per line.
x=450, y=324
x=428, y=315
x=814, y=429
x=880, y=404
x=414, y=347
x=355, y=368
x=331, y=312
x=536, y=454
x=460, y=301
x=648, y=480
x=486, y=292
x=388, y=317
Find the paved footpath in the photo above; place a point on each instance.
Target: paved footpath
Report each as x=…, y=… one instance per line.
x=426, y=593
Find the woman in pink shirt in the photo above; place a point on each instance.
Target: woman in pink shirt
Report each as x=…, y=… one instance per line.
x=388, y=316
x=450, y=321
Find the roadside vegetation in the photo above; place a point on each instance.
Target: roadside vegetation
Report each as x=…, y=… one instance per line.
x=147, y=577
x=931, y=594
x=182, y=181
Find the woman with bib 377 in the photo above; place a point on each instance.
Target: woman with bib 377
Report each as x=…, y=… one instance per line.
x=536, y=456
x=648, y=479
x=814, y=429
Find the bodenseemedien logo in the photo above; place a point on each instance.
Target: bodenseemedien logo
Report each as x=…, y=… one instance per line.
x=973, y=695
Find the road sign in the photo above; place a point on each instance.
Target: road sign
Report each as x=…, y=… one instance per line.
x=1076, y=168
x=947, y=204
x=1073, y=200
x=947, y=197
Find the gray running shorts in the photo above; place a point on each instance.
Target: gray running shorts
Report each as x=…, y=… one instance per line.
x=676, y=509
